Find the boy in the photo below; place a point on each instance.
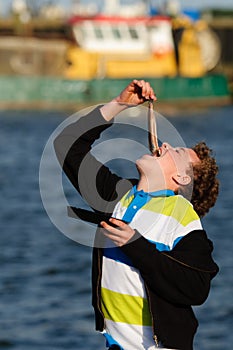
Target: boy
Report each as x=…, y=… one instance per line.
x=152, y=259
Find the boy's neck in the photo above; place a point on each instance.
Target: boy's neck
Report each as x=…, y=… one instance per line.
x=145, y=186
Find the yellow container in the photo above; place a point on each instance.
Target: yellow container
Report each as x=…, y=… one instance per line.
x=190, y=59
x=85, y=65
x=154, y=66
x=80, y=64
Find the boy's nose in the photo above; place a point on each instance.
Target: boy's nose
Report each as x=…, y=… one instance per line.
x=166, y=145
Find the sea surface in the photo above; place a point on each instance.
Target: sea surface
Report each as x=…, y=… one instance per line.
x=45, y=289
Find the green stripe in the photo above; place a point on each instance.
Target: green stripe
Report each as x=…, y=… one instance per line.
x=126, y=200
x=176, y=207
x=125, y=308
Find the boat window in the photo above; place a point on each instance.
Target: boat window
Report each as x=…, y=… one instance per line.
x=116, y=33
x=98, y=33
x=133, y=33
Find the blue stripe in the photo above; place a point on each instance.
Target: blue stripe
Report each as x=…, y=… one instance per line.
x=111, y=341
x=137, y=203
x=176, y=241
x=164, y=247
x=160, y=246
x=117, y=255
x=140, y=199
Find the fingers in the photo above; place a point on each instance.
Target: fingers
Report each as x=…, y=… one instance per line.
x=120, y=233
x=118, y=224
x=147, y=91
x=137, y=92
x=112, y=233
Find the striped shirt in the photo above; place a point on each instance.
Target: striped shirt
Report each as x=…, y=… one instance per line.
x=162, y=218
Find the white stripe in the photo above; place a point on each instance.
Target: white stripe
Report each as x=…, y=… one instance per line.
x=158, y=227
x=194, y=225
x=128, y=280
x=133, y=337
x=163, y=229
x=119, y=211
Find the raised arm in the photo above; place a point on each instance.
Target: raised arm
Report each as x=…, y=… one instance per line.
x=98, y=186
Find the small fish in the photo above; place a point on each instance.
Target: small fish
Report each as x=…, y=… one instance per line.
x=152, y=131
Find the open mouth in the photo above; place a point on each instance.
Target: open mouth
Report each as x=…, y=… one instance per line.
x=158, y=152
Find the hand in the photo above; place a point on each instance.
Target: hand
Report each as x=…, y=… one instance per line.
x=120, y=234
x=137, y=92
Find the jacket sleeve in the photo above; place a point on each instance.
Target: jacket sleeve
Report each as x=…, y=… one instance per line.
x=98, y=186
x=181, y=276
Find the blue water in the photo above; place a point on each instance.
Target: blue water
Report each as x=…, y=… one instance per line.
x=45, y=290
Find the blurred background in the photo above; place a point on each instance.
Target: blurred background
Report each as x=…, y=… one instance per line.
x=57, y=57
x=55, y=54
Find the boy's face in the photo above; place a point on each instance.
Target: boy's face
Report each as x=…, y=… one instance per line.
x=172, y=165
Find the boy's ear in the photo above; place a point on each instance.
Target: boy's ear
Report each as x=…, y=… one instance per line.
x=182, y=179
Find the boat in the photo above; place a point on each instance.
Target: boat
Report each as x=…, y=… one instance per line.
x=177, y=56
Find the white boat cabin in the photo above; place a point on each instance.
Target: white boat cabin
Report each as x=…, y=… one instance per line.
x=119, y=35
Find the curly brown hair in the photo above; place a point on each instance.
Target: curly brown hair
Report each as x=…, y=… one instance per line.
x=205, y=184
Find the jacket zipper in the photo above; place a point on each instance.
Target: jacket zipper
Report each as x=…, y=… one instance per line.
x=155, y=338
x=97, y=289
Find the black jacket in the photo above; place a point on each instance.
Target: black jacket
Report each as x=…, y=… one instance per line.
x=183, y=275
